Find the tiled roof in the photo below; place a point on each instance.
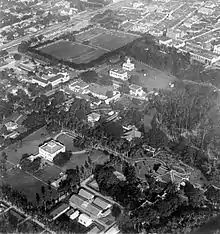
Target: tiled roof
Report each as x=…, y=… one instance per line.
x=76, y=200
x=93, y=209
x=52, y=146
x=59, y=209
x=101, y=203
x=85, y=194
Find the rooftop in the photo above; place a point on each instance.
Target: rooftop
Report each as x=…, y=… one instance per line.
x=85, y=194
x=135, y=87
x=98, y=89
x=93, y=209
x=101, y=203
x=79, y=83
x=77, y=200
x=52, y=146
x=120, y=71
x=59, y=209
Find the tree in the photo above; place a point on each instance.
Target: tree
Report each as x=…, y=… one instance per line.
x=124, y=88
x=37, y=198
x=126, y=224
x=3, y=160
x=89, y=160
x=17, y=57
x=115, y=210
x=86, y=165
x=89, y=76
x=109, y=94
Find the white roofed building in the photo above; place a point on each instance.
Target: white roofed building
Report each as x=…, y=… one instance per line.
x=85, y=220
x=136, y=90
x=118, y=74
x=93, y=117
x=50, y=149
x=128, y=65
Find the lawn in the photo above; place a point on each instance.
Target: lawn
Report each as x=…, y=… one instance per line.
x=29, y=145
x=67, y=141
x=48, y=173
x=111, y=41
x=29, y=227
x=26, y=183
x=66, y=50
x=153, y=78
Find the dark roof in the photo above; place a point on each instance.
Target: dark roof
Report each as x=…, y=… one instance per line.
x=59, y=209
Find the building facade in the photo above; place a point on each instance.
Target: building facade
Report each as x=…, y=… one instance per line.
x=118, y=74
x=128, y=65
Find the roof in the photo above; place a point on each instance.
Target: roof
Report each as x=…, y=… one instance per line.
x=95, y=230
x=70, y=212
x=74, y=215
x=135, y=87
x=77, y=200
x=94, y=116
x=101, y=203
x=85, y=218
x=79, y=83
x=57, y=77
x=40, y=80
x=10, y=124
x=85, y=194
x=59, y=209
x=52, y=146
x=93, y=209
x=120, y=71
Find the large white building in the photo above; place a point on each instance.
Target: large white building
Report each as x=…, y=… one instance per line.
x=85, y=220
x=216, y=49
x=50, y=149
x=118, y=74
x=136, y=90
x=128, y=65
x=51, y=79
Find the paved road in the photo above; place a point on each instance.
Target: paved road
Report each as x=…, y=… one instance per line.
x=83, y=16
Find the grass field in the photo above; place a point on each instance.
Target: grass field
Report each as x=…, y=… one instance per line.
x=26, y=183
x=66, y=50
x=154, y=79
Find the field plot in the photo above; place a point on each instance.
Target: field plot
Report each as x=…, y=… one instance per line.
x=111, y=40
x=26, y=183
x=66, y=50
x=89, y=34
x=153, y=78
x=48, y=173
x=29, y=227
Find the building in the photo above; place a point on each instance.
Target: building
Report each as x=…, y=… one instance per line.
x=128, y=65
x=205, y=10
x=216, y=49
x=76, y=201
x=59, y=211
x=85, y=220
x=11, y=126
x=95, y=230
x=113, y=230
x=85, y=194
x=101, y=203
x=92, y=209
x=175, y=33
x=99, y=91
x=12, y=135
x=133, y=133
x=136, y=90
x=57, y=182
x=50, y=149
x=93, y=117
x=45, y=80
x=74, y=215
x=118, y=74
x=116, y=96
x=78, y=86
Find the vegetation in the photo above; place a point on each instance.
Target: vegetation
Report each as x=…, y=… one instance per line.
x=30, y=166
x=62, y=158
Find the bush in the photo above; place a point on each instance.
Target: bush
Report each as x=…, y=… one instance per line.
x=30, y=166
x=62, y=158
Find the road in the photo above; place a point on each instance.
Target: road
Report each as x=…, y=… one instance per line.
x=83, y=16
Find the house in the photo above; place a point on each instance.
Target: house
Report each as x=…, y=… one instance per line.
x=93, y=117
x=99, y=91
x=101, y=203
x=165, y=41
x=12, y=135
x=118, y=74
x=76, y=201
x=136, y=90
x=56, y=183
x=59, y=211
x=134, y=133
x=205, y=10
x=50, y=149
x=128, y=65
x=174, y=33
x=216, y=49
x=86, y=194
x=11, y=126
x=78, y=86
x=74, y=215
x=85, y=220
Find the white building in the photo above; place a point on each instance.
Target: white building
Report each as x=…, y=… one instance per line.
x=85, y=220
x=11, y=126
x=93, y=117
x=136, y=90
x=118, y=74
x=216, y=49
x=51, y=79
x=74, y=215
x=116, y=96
x=78, y=86
x=128, y=65
x=50, y=149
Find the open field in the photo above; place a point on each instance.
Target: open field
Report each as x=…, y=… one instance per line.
x=48, y=173
x=66, y=50
x=26, y=183
x=154, y=79
x=79, y=53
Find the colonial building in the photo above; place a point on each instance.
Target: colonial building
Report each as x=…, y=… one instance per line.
x=50, y=149
x=118, y=74
x=128, y=65
x=136, y=90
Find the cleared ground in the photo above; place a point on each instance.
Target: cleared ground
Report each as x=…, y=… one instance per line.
x=66, y=50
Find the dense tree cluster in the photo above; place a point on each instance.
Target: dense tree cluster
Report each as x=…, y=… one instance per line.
x=62, y=158
x=30, y=166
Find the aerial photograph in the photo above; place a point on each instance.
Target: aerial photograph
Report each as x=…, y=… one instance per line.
x=110, y=116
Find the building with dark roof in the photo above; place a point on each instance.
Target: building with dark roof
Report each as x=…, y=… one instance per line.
x=59, y=211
